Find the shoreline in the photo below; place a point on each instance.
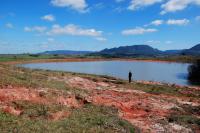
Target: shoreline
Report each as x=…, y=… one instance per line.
x=167, y=84
x=84, y=60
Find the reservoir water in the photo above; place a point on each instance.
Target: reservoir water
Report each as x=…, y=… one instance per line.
x=174, y=73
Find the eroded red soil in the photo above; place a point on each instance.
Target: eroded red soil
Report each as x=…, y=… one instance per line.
x=144, y=110
x=59, y=115
x=10, y=94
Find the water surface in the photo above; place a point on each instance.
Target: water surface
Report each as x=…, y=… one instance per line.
x=150, y=71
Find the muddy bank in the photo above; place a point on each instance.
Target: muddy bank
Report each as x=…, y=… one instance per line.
x=82, y=60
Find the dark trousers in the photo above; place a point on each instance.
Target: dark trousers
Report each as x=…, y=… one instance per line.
x=129, y=79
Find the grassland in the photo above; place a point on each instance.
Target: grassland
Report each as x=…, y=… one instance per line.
x=31, y=57
x=87, y=119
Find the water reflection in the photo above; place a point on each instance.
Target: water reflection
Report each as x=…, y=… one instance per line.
x=182, y=76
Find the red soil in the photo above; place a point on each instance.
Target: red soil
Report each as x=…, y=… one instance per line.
x=142, y=109
x=69, y=101
x=11, y=110
x=10, y=94
x=59, y=115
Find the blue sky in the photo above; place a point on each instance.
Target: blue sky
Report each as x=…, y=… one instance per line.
x=39, y=25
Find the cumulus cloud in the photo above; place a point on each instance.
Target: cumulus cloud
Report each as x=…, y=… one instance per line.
x=35, y=29
x=167, y=5
x=78, y=5
x=136, y=4
x=157, y=22
x=9, y=25
x=178, y=22
x=138, y=31
x=48, y=17
x=74, y=30
x=177, y=5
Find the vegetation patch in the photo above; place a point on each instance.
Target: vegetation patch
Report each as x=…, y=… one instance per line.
x=90, y=119
x=186, y=120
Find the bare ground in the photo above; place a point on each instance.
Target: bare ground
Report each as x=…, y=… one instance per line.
x=148, y=112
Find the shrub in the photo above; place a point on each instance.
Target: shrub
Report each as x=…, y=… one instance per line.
x=194, y=72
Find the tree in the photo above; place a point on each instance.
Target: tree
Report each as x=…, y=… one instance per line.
x=194, y=72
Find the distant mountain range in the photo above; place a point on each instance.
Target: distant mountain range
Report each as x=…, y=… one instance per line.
x=192, y=51
x=66, y=52
x=135, y=50
x=145, y=50
x=131, y=51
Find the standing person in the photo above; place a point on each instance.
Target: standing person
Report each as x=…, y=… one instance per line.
x=130, y=76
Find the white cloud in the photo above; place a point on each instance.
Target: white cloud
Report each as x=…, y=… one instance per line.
x=168, y=6
x=78, y=5
x=136, y=4
x=101, y=39
x=157, y=22
x=74, y=30
x=197, y=18
x=9, y=25
x=152, y=42
x=35, y=29
x=177, y=5
x=48, y=17
x=138, y=31
x=178, y=22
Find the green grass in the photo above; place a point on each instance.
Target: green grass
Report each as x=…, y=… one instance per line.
x=185, y=115
x=89, y=119
x=36, y=111
x=184, y=120
x=28, y=78
x=163, y=89
x=29, y=57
